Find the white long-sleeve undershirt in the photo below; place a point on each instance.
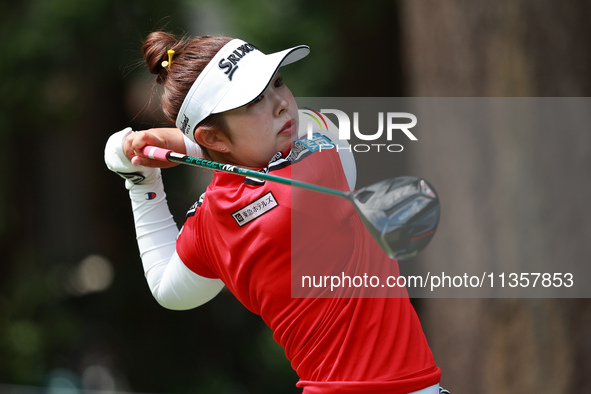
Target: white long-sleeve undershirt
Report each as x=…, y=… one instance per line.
x=173, y=285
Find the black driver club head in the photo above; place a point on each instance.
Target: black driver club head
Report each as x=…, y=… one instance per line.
x=401, y=213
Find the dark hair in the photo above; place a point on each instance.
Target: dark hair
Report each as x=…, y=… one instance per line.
x=191, y=55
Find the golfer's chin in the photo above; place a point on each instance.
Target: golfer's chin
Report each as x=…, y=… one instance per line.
x=286, y=143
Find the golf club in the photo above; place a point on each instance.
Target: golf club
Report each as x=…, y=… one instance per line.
x=401, y=213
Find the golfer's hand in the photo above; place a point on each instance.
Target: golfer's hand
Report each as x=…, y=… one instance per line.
x=167, y=138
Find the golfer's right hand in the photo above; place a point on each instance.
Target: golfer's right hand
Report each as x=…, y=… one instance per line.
x=163, y=137
x=120, y=164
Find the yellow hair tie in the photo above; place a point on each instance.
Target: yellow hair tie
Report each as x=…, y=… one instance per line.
x=168, y=63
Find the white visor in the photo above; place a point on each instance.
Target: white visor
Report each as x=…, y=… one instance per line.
x=236, y=75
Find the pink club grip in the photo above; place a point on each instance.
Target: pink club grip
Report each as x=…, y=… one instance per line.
x=156, y=153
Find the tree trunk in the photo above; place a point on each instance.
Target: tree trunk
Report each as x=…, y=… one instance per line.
x=524, y=48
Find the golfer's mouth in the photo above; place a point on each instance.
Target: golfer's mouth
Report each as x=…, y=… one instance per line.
x=288, y=127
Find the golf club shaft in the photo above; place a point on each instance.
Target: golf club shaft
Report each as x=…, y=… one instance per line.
x=168, y=155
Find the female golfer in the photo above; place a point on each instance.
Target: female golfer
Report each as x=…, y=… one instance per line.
x=230, y=105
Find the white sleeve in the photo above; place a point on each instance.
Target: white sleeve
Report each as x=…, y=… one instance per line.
x=172, y=284
x=192, y=148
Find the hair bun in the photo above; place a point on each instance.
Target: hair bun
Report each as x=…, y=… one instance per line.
x=155, y=50
x=192, y=54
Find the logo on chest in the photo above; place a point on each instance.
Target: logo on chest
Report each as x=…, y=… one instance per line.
x=255, y=209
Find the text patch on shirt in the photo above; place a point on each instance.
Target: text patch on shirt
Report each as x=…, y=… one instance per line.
x=255, y=209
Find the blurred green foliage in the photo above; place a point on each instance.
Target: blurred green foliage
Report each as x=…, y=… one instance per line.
x=69, y=72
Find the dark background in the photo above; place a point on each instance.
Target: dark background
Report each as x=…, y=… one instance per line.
x=75, y=310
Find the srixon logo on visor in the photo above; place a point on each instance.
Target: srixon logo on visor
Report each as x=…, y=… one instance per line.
x=230, y=63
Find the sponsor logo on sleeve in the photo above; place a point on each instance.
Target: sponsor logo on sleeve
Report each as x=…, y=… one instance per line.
x=255, y=209
x=133, y=177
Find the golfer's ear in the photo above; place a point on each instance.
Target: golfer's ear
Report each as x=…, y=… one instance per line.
x=210, y=137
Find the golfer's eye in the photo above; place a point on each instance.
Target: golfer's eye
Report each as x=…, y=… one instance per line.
x=278, y=82
x=257, y=100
